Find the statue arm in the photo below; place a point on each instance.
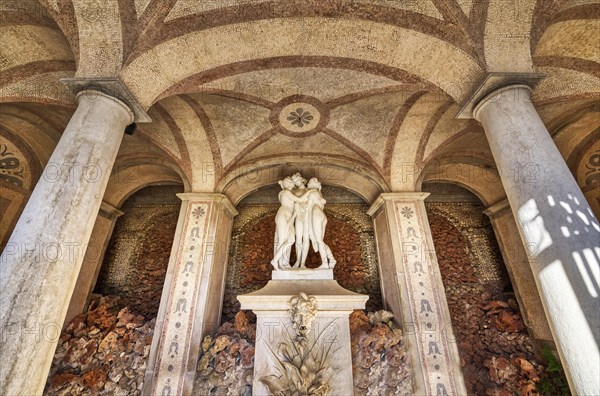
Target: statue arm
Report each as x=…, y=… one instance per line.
x=290, y=195
x=301, y=199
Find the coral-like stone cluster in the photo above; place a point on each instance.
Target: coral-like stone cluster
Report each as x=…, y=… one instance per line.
x=498, y=357
x=102, y=352
x=226, y=361
x=380, y=364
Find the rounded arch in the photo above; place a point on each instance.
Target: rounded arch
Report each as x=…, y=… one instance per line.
x=242, y=181
x=128, y=178
x=171, y=62
x=483, y=181
x=564, y=47
x=40, y=127
x=577, y=131
x=32, y=69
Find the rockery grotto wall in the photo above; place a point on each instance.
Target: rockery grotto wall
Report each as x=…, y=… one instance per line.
x=498, y=357
x=104, y=350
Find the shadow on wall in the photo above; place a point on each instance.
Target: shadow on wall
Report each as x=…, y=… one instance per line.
x=557, y=224
x=497, y=354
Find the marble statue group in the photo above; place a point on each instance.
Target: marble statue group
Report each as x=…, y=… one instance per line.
x=300, y=221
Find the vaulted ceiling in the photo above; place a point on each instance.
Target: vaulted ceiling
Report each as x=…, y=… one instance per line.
x=231, y=85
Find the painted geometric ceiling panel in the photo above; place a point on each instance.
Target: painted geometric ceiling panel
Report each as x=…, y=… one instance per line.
x=367, y=122
x=235, y=123
x=323, y=83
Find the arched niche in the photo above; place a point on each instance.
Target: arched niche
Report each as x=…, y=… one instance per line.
x=349, y=234
x=480, y=272
x=358, y=179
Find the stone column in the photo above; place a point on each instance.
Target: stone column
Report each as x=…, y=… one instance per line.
x=412, y=289
x=42, y=258
x=518, y=268
x=92, y=260
x=192, y=297
x=556, y=225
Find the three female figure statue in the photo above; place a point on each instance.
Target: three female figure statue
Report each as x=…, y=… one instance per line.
x=300, y=220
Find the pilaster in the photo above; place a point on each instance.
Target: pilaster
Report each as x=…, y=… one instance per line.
x=519, y=270
x=412, y=289
x=92, y=260
x=192, y=296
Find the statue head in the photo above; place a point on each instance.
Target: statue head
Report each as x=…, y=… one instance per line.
x=303, y=313
x=314, y=183
x=299, y=181
x=287, y=183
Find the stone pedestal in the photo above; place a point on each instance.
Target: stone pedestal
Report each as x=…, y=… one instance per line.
x=277, y=333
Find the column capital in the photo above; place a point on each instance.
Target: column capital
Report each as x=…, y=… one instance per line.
x=493, y=82
x=513, y=92
x=396, y=196
x=207, y=196
x=497, y=209
x=92, y=96
x=109, y=211
x=110, y=87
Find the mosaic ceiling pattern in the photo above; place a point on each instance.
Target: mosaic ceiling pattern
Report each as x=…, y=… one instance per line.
x=233, y=85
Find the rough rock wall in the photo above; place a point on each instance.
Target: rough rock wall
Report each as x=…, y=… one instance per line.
x=226, y=361
x=102, y=352
x=137, y=257
x=380, y=364
x=349, y=234
x=379, y=361
x=497, y=355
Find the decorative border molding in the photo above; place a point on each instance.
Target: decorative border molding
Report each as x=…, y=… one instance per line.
x=211, y=197
x=497, y=209
x=393, y=196
x=172, y=357
x=109, y=211
x=425, y=299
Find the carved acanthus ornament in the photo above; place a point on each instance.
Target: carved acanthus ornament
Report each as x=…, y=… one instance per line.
x=304, y=368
